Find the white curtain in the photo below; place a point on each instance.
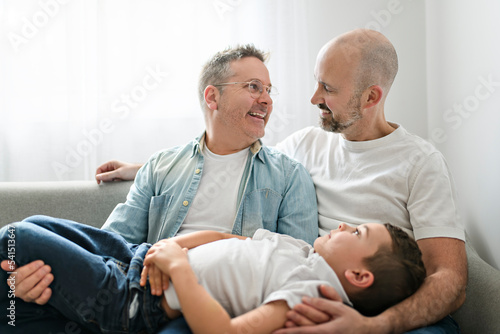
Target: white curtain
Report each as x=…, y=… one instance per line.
x=86, y=81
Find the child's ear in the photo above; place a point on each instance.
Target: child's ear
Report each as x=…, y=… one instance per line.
x=359, y=278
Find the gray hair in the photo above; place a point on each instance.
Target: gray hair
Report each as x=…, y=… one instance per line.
x=218, y=68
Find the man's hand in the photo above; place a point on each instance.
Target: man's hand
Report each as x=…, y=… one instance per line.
x=116, y=171
x=32, y=281
x=320, y=315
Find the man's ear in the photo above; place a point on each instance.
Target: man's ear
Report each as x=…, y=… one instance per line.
x=359, y=278
x=372, y=96
x=212, y=97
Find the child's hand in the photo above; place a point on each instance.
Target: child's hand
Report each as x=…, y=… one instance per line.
x=158, y=281
x=158, y=261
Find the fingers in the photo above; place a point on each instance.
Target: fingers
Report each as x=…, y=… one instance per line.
x=307, y=315
x=32, y=282
x=107, y=177
x=144, y=276
x=158, y=282
x=6, y=266
x=155, y=278
x=329, y=292
x=44, y=297
x=107, y=171
x=298, y=330
x=165, y=280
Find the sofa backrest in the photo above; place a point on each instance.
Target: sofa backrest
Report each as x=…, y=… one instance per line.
x=82, y=201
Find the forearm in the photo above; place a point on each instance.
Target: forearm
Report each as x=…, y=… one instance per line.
x=441, y=294
x=196, y=239
x=201, y=311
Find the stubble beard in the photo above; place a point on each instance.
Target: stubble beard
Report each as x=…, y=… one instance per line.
x=338, y=126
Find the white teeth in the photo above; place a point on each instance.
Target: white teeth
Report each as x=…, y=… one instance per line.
x=256, y=114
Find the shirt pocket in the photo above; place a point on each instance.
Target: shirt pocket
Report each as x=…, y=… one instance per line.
x=158, y=209
x=260, y=210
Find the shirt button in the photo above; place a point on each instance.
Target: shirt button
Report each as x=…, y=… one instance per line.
x=197, y=171
x=185, y=203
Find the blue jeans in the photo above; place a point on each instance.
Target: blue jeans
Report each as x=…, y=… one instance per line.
x=445, y=326
x=96, y=280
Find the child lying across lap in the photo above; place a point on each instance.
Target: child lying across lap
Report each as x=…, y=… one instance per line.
x=224, y=283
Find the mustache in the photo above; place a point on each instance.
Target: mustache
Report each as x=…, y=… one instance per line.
x=259, y=108
x=323, y=106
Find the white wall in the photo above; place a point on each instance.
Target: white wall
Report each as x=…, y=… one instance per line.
x=403, y=22
x=463, y=54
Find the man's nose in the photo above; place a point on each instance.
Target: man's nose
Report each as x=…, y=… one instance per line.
x=316, y=98
x=265, y=98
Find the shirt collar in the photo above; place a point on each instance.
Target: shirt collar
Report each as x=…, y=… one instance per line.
x=199, y=144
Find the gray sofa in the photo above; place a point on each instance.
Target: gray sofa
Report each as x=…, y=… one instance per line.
x=89, y=203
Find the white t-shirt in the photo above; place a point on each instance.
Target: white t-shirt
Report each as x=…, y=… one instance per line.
x=215, y=203
x=244, y=274
x=400, y=179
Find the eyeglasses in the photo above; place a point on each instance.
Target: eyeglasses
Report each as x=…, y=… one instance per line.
x=255, y=87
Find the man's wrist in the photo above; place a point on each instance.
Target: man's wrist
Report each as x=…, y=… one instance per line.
x=379, y=325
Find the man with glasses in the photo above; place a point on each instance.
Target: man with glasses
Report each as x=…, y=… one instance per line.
x=224, y=180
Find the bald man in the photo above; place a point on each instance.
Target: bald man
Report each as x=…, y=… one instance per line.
x=366, y=169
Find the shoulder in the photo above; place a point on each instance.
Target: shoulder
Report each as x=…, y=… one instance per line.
x=278, y=161
x=307, y=134
x=418, y=150
x=171, y=153
x=300, y=143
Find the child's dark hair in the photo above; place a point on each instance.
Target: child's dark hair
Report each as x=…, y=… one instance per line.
x=398, y=272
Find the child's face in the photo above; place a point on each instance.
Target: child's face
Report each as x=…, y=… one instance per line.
x=346, y=247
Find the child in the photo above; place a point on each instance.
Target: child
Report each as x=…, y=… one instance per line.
x=254, y=282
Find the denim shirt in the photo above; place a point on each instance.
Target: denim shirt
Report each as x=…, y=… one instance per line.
x=276, y=193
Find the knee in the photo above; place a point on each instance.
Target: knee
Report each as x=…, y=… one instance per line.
x=38, y=219
x=18, y=235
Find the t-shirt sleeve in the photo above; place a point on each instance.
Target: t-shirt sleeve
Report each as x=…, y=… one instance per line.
x=293, y=292
x=432, y=203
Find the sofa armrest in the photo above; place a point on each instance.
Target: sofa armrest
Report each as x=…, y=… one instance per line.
x=82, y=201
x=481, y=311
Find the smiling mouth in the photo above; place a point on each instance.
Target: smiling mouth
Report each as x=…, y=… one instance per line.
x=257, y=115
x=324, y=109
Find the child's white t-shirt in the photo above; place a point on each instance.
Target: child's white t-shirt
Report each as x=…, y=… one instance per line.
x=244, y=274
